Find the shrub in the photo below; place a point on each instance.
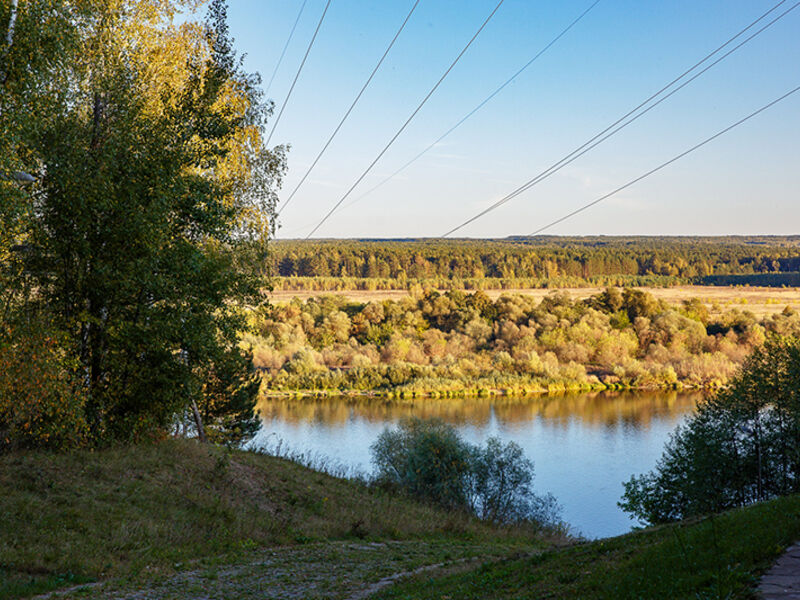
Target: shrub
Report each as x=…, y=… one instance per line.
x=428, y=460
x=501, y=480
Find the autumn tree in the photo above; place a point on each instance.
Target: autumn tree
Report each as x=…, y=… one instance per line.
x=38, y=40
x=154, y=199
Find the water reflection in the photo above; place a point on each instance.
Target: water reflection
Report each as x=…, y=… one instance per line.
x=593, y=409
x=583, y=445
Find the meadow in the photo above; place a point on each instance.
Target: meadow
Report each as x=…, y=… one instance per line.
x=174, y=515
x=761, y=301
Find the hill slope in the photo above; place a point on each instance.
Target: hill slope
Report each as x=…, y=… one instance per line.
x=144, y=512
x=719, y=557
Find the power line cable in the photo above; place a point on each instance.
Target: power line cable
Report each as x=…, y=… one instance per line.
x=667, y=163
x=286, y=45
x=349, y=110
x=618, y=125
x=477, y=108
x=572, y=157
x=299, y=70
x=399, y=131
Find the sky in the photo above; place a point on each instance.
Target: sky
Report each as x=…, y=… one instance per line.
x=621, y=52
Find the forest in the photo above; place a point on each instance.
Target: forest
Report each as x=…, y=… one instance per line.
x=460, y=343
x=544, y=261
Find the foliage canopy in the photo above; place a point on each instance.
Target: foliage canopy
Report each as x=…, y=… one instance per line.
x=742, y=446
x=153, y=201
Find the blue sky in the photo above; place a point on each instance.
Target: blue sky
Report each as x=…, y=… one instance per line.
x=746, y=182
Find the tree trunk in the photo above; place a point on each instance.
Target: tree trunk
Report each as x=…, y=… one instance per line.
x=12, y=21
x=198, y=421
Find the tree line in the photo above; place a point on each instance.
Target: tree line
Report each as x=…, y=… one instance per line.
x=633, y=260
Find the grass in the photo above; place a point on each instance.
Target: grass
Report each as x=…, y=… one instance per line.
x=719, y=557
x=171, y=517
x=330, y=570
x=144, y=512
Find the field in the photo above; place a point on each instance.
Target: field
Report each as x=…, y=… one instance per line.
x=761, y=301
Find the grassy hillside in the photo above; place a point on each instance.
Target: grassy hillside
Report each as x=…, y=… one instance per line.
x=713, y=558
x=138, y=513
x=164, y=519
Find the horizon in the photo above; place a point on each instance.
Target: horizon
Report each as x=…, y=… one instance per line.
x=514, y=237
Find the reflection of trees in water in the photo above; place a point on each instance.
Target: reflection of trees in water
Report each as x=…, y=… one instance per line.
x=634, y=409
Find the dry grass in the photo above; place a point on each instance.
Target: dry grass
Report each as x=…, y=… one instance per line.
x=760, y=301
x=144, y=511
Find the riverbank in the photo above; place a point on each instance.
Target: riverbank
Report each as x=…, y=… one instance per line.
x=134, y=516
x=522, y=390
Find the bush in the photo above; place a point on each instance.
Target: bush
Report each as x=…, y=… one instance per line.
x=428, y=460
x=501, y=480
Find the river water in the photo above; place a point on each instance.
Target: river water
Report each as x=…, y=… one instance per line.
x=583, y=446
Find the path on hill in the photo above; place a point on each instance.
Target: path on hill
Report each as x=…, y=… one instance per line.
x=782, y=581
x=331, y=570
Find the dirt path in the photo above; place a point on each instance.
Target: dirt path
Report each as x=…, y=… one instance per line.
x=782, y=581
x=335, y=571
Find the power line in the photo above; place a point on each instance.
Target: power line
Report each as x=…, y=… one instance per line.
x=311, y=43
x=349, y=110
x=618, y=125
x=291, y=33
x=399, y=131
x=669, y=162
x=574, y=157
x=477, y=108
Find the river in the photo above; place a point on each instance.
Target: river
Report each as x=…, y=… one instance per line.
x=583, y=446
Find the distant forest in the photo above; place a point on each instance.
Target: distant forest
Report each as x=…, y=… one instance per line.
x=543, y=261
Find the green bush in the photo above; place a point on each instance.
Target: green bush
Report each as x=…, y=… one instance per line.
x=500, y=486
x=428, y=460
